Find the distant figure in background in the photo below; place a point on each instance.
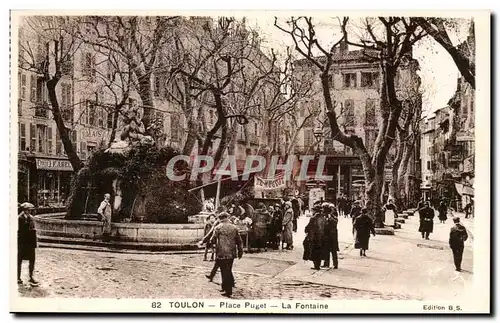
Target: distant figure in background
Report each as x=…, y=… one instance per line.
x=209, y=205
x=426, y=221
x=469, y=209
x=287, y=224
x=362, y=227
x=26, y=241
x=442, y=209
x=296, y=213
x=390, y=213
x=209, y=225
x=228, y=246
x=104, y=212
x=458, y=235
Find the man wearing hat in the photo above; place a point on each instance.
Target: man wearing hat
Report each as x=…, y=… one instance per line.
x=458, y=235
x=331, y=235
x=228, y=246
x=26, y=241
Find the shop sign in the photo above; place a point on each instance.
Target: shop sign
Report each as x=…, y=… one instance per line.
x=54, y=164
x=93, y=134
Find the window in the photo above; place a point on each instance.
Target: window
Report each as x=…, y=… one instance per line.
x=73, y=139
x=67, y=66
x=89, y=66
x=100, y=117
x=67, y=102
x=59, y=150
x=350, y=80
x=211, y=117
x=32, y=138
x=92, y=113
x=256, y=129
x=472, y=116
x=41, y=90
x=23, y=86
x=428, y=165
x=369, y=79
x=33, y=88
x=49, y=140
x=109, y=120
x=41, y=132
x=370, y=116
x=22, y=136
x=349, y=113
x=83, y=149
x=308, y=138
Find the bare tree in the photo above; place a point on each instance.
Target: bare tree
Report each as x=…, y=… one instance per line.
x=48, y=45
x=138, y=41
x=392, y=49
x=462, y=54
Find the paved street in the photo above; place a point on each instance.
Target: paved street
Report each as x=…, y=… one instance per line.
x=403, y=266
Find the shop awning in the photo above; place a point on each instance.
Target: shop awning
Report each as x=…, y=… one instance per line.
x=464, y=189
x=54, y=164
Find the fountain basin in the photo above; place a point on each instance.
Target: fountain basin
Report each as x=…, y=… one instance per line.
x=53, y=228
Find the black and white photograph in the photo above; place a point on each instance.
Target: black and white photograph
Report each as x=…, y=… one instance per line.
x=250, y=162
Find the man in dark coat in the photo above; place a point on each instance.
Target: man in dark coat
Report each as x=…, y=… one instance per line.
x=314, y=243
x=26, y=241
x=331, y=237
x=362, y=227
x=426, y=220
x=259, y=227
x=228, y=246
x=458, y=235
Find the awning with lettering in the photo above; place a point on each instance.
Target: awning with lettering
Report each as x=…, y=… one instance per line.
x=54, y=164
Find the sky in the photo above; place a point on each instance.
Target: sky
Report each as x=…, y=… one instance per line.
x=437, y=70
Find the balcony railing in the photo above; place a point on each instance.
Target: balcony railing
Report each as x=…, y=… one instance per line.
x=42, y=109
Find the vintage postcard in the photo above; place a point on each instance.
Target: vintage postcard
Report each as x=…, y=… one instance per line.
x=250, y=162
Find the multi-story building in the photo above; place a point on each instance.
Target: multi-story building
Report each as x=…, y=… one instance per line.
x=427, y=129
x=355, y=88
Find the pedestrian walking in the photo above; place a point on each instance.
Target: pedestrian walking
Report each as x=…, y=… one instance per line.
x=362, y=227
x=332, y=237
x=288, y=226
x=468, y=209
x=26, y=242
x=442, y=209
x=104, y=212
x=315, y=246
x=426, y=215
x=228, y=246
x=355, y=210
x=458, y=235
x=208, y=245
x=390, y=213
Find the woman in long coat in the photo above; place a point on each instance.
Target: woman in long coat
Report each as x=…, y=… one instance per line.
x=363, y=226
x=442, y=209
x=426, y=220
x=288, y=226
x=315, y=246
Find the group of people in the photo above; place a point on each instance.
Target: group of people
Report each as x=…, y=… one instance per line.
x=321, y=241
x=458, y=233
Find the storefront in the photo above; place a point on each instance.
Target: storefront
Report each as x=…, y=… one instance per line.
x=53, y=177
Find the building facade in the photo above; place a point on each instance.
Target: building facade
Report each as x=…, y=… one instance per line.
x=355, y=89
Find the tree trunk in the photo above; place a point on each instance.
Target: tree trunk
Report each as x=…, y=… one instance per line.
x=115, y=124
x=192, y=136
x=64, y=133
x=393, y=186
x=146, y=95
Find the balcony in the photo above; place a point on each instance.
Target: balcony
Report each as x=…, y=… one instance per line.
x=42, y=110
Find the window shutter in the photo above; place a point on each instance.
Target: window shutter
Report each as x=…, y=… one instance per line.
x=49, y=141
